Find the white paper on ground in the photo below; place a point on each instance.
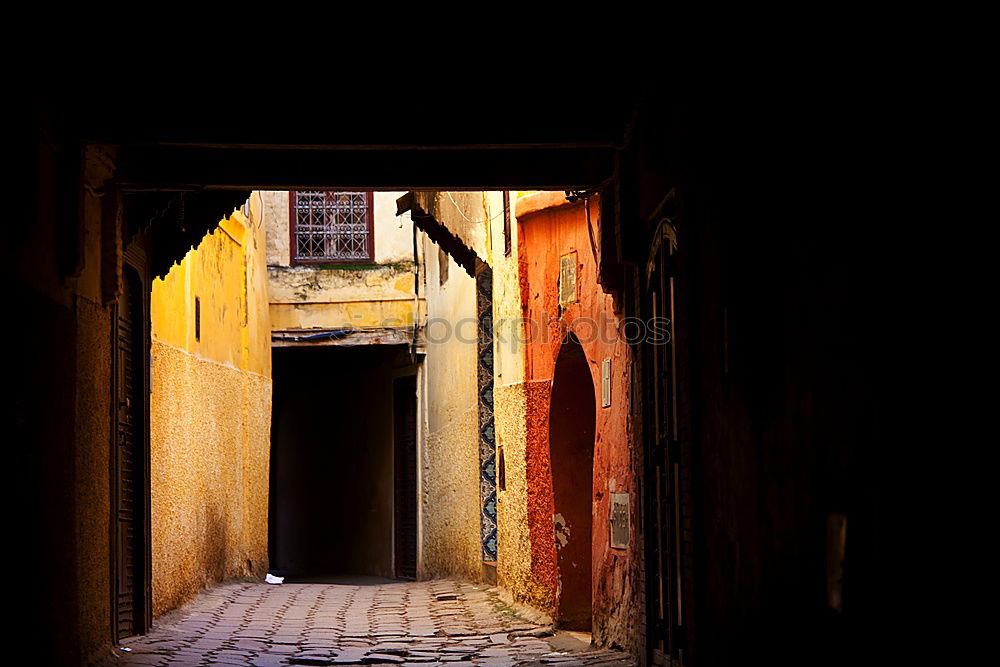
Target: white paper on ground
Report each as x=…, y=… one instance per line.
x=271, y=579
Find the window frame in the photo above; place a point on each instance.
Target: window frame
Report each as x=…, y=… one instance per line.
x=293, y=257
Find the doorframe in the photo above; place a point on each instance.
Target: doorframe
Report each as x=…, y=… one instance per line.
x=569, y=342
x=660, y=387
x=135, y=258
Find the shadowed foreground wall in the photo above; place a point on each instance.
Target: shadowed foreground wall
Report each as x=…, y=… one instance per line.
x=210, y=414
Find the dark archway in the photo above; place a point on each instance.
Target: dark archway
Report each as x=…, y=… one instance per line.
x=571, y=449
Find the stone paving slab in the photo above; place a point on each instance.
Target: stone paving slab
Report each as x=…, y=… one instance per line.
x=440, y=622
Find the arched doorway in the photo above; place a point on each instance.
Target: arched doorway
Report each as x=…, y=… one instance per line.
x=571, y=449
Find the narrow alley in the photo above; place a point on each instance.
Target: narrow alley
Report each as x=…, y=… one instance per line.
x=366, y=623
x=577, y=375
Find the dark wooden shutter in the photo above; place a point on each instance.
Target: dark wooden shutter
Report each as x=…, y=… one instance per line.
x=125, y=516
x=131, y=584
x=665, y=565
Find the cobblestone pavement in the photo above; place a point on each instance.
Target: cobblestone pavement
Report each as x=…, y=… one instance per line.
x=413, y=623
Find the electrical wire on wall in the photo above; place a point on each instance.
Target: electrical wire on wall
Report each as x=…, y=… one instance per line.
x=462, y=213
x=574, y=196
x=260, y=198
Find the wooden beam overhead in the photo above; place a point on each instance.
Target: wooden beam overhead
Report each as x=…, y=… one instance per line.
x=153, y=168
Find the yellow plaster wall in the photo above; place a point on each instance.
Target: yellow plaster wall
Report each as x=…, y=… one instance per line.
x=509, y=407
x=513, y=543
x=226, y=274
x=360, y=314
x=305, y=297
x=508, y=331
x=210, y=435
x=450, y=451
x=450, y=455
x=210, y=413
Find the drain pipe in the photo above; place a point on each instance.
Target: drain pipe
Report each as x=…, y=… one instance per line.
x=416, y=294
x=421, y=399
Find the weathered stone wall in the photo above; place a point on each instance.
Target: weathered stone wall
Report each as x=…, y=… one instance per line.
x=380, y=294
x=449, y=465
x=510, y=407
x=274, y=206
x=450, y=453
x=550, y=227
x=513, y=545
x=305, y=297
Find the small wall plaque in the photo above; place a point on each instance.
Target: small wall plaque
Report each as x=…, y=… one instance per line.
x=567, y=280
x=619, y=521
x=606, y=383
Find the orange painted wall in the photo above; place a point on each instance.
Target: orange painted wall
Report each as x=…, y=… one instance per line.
x=549, y=227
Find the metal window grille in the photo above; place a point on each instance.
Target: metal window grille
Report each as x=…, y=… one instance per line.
x=332, y=226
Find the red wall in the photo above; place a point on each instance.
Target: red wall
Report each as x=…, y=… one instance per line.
x=543, y=236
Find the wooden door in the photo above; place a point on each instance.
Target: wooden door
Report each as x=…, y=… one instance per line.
x=572, y=429
x=405, y=476
x=665, y=564
x=130, y=491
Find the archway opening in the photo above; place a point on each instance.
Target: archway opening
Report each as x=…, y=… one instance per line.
x=342, y=497
x=571, y=448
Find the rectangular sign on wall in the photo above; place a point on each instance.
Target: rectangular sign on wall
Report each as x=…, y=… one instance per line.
x=567, y=280
x=606, y=383
x=619, y=521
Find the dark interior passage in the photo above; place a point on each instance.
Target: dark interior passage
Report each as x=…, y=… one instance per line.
x=571, y=448
x=332, y=460
x=404, y=408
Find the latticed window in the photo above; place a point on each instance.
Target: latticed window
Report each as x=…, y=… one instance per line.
x=331, y=226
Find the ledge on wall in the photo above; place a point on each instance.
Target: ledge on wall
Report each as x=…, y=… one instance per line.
x=347, y=337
